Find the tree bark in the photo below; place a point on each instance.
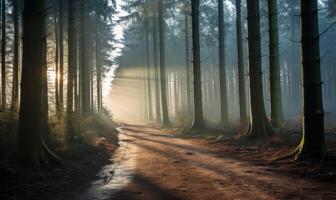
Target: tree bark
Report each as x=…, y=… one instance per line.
x=165, y=117
x=76, y=73
x=85, y=68
x=56, y=22
x=313, y=142
x=241, y=71
x=148, y=70
x=45, y=103
x=3, y=56
x=188, y=61
x=15, y=90
x=98, y=64
x=31, y=149
x=61, y=57
x=72, y=55
x=198, y=122
x=222, y=73
x=157, y=71
x=260, y=127
x=275, y=80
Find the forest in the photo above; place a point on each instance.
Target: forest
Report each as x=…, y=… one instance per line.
x=167, y=99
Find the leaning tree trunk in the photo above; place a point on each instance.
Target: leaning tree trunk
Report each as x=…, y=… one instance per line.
x=222, y=73
x=198, y=122
x=313, y=143
x=241, y=71
x=275, y=80
x=165, y=117
x=3, y=55
x=31, y=149
x=260, y=126
x=15, y=90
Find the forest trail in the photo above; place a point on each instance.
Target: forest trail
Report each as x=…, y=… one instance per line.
x=164, y=166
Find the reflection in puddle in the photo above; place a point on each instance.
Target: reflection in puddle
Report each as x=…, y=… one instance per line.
x=112, y=178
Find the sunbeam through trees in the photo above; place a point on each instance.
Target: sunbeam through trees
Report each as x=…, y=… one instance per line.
x=167, y=99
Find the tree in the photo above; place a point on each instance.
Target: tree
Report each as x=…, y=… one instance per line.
x=222, y=71
x=313, y=142
x=72, y=68
x=148, y=70
x=157, y=69
x=198, y=122
x=15, y=90
x=72, y=58
x=31, y=149
x=98, y=63
x=56, y=32
x=61, y=57
x=260, y=126
x=241, y=71
x=164, y=103
x=3, y=55
x=275, y=80
x=188, y=60
x=84, y=62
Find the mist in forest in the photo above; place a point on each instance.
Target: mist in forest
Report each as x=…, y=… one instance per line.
x=136, y=80
x=167, y=99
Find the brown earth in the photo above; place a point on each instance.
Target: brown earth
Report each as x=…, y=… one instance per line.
x=170, y=167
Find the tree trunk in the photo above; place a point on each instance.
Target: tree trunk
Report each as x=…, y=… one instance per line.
x=198, y=122
x=61, y=57
x=85, y=68
x=76, y=69
x=313, y=143
x=148, y=75
x=56, y=55
x=45, y=105
x=222, y=73
x=241, y=71
x=188, y=61
x=98, y=64
x=91, y=68
x=15, y=90
x=72, y=55
x=157, y=71
x=165, y=117
x=260, y=126
x=3, y=56
x=275, y=80
x=31, y=149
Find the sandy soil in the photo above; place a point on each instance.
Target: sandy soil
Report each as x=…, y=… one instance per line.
x=169, y=167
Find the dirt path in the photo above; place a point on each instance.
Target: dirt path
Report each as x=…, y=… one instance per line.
x=167, y=167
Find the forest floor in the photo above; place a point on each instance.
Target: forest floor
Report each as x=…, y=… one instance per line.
x=155, y=164
x=83, y=158
x=168, y=166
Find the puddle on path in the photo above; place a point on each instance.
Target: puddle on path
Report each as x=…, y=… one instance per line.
x=114, y=177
